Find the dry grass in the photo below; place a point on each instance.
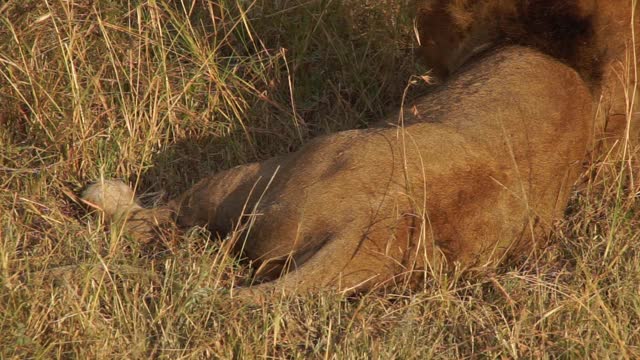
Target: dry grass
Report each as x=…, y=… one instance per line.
x=160, y=93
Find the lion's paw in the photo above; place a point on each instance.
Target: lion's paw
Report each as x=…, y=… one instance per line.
x=113, y=197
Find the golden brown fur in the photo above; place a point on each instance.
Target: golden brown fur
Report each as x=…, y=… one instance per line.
x=596, y=37
x=481, y=168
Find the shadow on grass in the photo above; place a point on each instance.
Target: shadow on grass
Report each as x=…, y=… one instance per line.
x=342, y=67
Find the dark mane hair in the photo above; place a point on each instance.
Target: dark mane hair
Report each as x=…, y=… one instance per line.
x=560, y=29
x=563, y=29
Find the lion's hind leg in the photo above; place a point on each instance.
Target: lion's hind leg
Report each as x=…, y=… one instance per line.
x=347, y=263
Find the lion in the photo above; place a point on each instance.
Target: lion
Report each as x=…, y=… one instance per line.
x=472, y=173
x=595, y=37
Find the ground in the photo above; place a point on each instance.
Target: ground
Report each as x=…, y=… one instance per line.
x=160, y=93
